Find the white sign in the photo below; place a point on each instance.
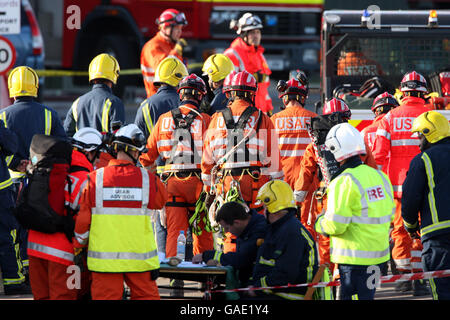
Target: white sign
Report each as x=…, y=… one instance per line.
x=7, y=55
x=9, y=16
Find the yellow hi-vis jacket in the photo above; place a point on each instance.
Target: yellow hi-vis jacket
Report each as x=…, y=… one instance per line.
x=121, y=237
x=359, y=212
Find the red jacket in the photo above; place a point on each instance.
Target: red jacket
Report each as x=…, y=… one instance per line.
x=252, y=60
x=394, y=136
x=53, y=247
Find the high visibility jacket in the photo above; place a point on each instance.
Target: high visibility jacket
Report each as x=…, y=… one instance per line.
x=251, y=59
x=287, y=256
x=355, y=64
x=152, y=108
x=55, y=246
x=26, y=117
x=153, y=52
x=359, y=212
x=115, y=218
x=262, y=146
x=293, y=138
x=96, y=109
x=162, y=141
x=8, y=146
x=426, y=190
x=78, y=171
x=309, y=169
x=394, y=136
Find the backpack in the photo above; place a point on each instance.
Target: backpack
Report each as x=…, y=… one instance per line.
x=33, y=211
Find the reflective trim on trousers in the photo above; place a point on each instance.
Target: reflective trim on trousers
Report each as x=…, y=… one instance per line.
x=51, y=251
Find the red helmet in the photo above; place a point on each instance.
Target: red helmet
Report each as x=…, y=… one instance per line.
x=293, y=86
x=384, y=99
x=227, y=81
x=192, y=81
x=413, y=81
x=243, y=81
x=337, y=105
x=171, y=17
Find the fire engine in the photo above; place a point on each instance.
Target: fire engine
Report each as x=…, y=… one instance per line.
x=392, y=44
x=120, y=27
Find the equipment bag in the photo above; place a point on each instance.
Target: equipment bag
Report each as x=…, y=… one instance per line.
x=50, y=161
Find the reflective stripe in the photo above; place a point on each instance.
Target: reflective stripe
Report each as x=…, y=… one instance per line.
x=75, y=112
x=405, y=142
x=276, y=175
x=298, y=140
x=147, y=118
x=20, y=277
x=430, y=177
x=383, y=133
x=292, y=153
x=435, y=227
x=122, y=255
x=149, y=78
x=270, y=262
x=8, y=159
x=105, y=115
x=147, y=69
x=82, y=238
x=48, y=122
x=5, y=184
x=238, y=57
x=217, y=255
x=397, y=188
x=358, y=253
x=51, y=251
x=362, y=192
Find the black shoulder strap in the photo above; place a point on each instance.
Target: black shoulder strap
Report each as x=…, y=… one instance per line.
x=228, y=117
x=243, y=119
x=77, y=168
x=181, y=122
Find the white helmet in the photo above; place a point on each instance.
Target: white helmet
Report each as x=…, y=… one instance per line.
x=247, y=22
x=87, y=139
x=130, y=135
x=345, y=141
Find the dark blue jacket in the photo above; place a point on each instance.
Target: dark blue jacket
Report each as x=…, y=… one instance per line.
x=164, y=100
x=8, y=146
x=428, y=168
x=287, y=256
x=97, y=109
x=243, y=260
x=219, y=102
x=26, y=117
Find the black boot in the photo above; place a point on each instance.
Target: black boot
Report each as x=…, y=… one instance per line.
x=420, y=288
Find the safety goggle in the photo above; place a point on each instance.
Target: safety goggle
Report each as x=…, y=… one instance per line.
x=412, y=84
x=180, y=18
x=253, y=21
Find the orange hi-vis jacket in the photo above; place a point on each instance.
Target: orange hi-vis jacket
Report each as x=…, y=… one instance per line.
x=355, y=64
x=262, y=145
x=162, y=141
x=370, y=132
x=293, y=137
x=152, y=53
x=77, y=179
x=394, y=136
x=118, y=174
x=251, y=59
x=53, y=246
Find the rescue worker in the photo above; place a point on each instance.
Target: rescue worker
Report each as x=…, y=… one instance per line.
x=358, y=216
x=247, y=54
x=381, y=105
x=52, y=254
x=178, y=138
x=290, y=125
x=425, y=190
x=10, y=263
x=394, y=147
x=86, y=144
x=241, y=148
x=249, y=227
x=288, y=254
x=167, y=77
x=99, y=108
x=217, y=67
x=114, y=222
x=354, y=63
x=166, y=42
x=311, y=183
x=26, y=117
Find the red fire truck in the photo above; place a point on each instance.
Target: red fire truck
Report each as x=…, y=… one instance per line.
x=291, y=33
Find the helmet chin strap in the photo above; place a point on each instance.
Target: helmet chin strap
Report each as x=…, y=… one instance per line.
x=170, y=34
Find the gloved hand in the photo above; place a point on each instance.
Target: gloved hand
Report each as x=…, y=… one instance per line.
x=80, y=258
x=179, y=47
x=162, y=217
x=154, y=274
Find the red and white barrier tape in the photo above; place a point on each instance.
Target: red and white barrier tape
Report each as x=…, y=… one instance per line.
x=383, y=279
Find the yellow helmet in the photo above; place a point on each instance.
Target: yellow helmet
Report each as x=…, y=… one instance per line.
x=217, y=67
x=276, y=195
x=104, y=66
x=170, y=71
x=433, y=125
x=23, y=81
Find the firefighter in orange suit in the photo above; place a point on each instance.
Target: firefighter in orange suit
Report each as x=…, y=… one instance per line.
x=114, y=221
x=394, y=137
x=310, y=189
x=354, y=63
x=290, y=125
x=178, y=138
x=166, y=42
x=241, y=146
x=246, y=53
